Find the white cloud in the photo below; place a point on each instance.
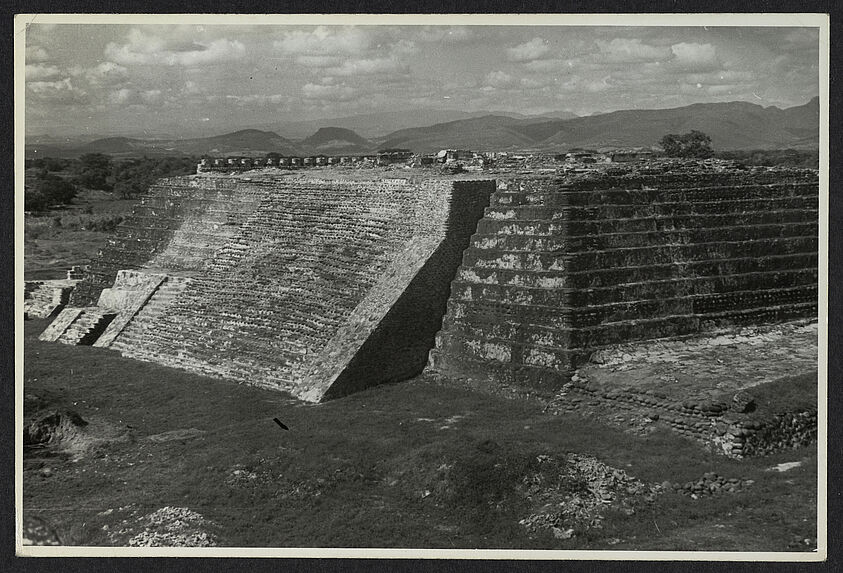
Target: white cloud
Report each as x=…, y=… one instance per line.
x=36, y=54
x=803, y=38
x=36, y=72
x=694, y=57
x=57, y=92
x=630, y=50
x=152, y=96
x=122, y=96
x=721, y=77
x=547, y=65
x=106, y=74
x=262, y=99
x=370, y=67
x=318, y=61
x=142, y=48
x=499, y=79
x=325, y=40
x=191, y=88
x=528, y=51
x=533, y=83
x=334, y=92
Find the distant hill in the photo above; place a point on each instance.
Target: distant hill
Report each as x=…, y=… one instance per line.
x=732, y=125
x=115, y=145
x=481, y=133
x=375, y=125
x=245, y=142
x=336, y=140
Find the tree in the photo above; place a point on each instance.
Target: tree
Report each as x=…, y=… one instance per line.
x=94, y=171
x=47, y=191
x=692, y=144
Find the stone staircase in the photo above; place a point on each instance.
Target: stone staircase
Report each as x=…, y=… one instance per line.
x=131, y=341
x=78, y=326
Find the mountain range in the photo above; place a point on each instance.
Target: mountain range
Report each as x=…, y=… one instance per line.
x=731, y=125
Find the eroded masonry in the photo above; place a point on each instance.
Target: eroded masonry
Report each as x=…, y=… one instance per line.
x=327, y=283
x=314, y=286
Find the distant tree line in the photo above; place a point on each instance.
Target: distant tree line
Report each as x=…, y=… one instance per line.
x=698, y=144
x=799, y=158
x=52, y=182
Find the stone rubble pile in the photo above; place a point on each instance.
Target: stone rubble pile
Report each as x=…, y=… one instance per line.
x=572, y=493
x=172, y=527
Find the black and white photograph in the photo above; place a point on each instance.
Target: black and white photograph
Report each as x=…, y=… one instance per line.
x=528, y=287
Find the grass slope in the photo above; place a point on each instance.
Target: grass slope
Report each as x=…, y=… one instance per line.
x=363, y=470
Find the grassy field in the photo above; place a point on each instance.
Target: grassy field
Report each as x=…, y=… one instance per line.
x=416, y=464
x=60, y=238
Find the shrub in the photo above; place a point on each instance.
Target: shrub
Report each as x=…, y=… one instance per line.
x=47, y=191
x=692, y=144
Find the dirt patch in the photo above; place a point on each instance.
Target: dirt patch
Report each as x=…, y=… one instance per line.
x=66, y=432
x=706, y=367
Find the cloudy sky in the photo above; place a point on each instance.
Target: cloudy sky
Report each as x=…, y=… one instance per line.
x=154, y=80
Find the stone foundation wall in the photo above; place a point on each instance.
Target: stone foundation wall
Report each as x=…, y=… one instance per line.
x=559, y=268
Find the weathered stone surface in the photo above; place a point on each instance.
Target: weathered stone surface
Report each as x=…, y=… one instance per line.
x=130, y=293
x=45, y=298
x=60, y=324
x=319, y=287
x=561, y=268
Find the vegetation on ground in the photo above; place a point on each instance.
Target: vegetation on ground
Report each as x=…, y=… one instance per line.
x=804, y=158
x=414, y=464
x=692, y=144
x=52, y=182
x=72, y=205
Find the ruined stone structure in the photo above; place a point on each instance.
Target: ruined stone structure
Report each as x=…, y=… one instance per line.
x=324, y=283
x=561, y=267
x=42, y=299
x=314, y=286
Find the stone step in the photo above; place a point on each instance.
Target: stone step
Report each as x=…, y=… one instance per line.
x=60, y=324
x=87, y=327
x=556, y=195
x=708, y=251
x=513, y=260
x=492, y=276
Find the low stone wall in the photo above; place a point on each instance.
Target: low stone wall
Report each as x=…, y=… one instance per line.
x=721, y=424
x=780, y=431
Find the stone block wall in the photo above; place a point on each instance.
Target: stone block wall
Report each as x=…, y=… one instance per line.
x=559, y=267
x=316, y=270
